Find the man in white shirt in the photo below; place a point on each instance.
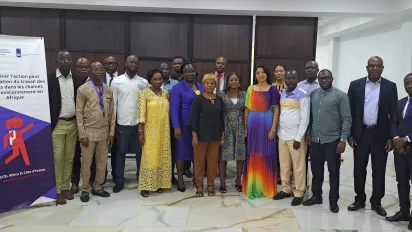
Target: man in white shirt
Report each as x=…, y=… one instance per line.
x=62, y=94
x=293, y=121
x=126, y=89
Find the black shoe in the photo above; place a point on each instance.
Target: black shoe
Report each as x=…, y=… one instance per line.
x=100, y=193
x=281, y=195
x=410, y=225
x=398, y=217
x=85, y=197
x=174, y=181
x=296, y=201
x=379, y=210
x=313, y=201
x=188, y=173
x=117, y=188
x=334, y=208
x=355, y=206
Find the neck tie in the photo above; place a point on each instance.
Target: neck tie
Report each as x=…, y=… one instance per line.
x=111, y=79
x=408, y=108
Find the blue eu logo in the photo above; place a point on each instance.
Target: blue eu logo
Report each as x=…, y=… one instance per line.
x=18, y=52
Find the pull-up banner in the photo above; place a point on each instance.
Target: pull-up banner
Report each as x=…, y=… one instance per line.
x=26, y=154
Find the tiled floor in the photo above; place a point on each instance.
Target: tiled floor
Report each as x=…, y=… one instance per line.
x=173, y=211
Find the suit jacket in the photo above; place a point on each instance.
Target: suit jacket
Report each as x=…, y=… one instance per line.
x=402, y=126
x=55, y=97
x=181, y=99
x=218, y=80
x=388, y=98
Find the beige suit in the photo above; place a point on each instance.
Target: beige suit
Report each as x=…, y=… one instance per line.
x=97, y=126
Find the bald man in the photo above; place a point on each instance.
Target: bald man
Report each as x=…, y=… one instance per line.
x=373, y=102
x=95, y=123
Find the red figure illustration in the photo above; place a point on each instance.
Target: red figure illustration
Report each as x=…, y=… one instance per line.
x=16, y=140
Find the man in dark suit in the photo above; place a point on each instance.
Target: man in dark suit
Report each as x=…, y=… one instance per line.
x=219, y=73
x=373, y=102
x=62, y=95
x=403, y=153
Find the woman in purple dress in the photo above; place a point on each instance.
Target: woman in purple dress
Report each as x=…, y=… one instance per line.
x=182, y=96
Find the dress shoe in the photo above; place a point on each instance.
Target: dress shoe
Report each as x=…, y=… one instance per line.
x=281, y=195
x=188, y=173
x=334, y=208
x=410, y=225
x=68, y=195
x=313, y=201
x=60, y=200
x=379, y=210
x=355, y=206
x=85, y=197
x=399, y=216
x=117, y=188
x=75, y=188
x=100, y=193
x=296, y=201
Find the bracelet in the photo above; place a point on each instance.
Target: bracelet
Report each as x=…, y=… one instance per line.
x=141, y=130
x=273, y=130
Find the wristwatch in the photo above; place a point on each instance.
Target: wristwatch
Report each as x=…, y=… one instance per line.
x=343, y=140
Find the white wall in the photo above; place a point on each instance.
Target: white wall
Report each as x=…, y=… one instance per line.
x=324, y=55
x=355, y=50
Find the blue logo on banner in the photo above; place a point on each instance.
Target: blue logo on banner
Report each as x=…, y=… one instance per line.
x=18, y=52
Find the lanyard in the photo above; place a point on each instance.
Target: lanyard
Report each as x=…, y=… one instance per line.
x=100, y=94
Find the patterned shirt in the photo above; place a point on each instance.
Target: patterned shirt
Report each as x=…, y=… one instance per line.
x=294, y=114
x=125, y=93
x=92, y=122
x=330, y=117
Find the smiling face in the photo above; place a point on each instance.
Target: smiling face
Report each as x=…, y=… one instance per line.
x=189, y=73
x=210, y=85
x=260, y=74
x=325, y=79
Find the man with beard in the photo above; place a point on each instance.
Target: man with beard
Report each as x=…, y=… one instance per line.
x=95, y=123
x=328, y=130
x=373, y=102
x=402, y=154
x=126, y=89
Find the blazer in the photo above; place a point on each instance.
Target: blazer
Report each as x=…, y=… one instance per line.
x=181, y=99
x=402, y=126
x=55, y=97
x=388, y=98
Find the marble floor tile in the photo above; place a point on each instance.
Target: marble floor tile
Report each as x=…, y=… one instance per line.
x=248, y=229
x=344, y=220
x=132, y=216
x=228, y=217
x=181, y=229
x=41, y=215
x=32, y=228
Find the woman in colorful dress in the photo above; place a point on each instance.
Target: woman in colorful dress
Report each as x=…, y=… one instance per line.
x=154, y=136
x=261, y=119
x=181, y=100
x=234, y=147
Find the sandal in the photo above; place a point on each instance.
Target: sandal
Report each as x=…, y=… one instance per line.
x=223, y=189
x=238, y=187
x=159, y=190
x=144, y=193
x=211, y=191
x=199, y=191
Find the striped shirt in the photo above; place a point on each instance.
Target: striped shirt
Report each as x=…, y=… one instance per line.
x=294, y=114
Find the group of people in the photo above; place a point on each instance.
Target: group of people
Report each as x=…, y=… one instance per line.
x=171, y=119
